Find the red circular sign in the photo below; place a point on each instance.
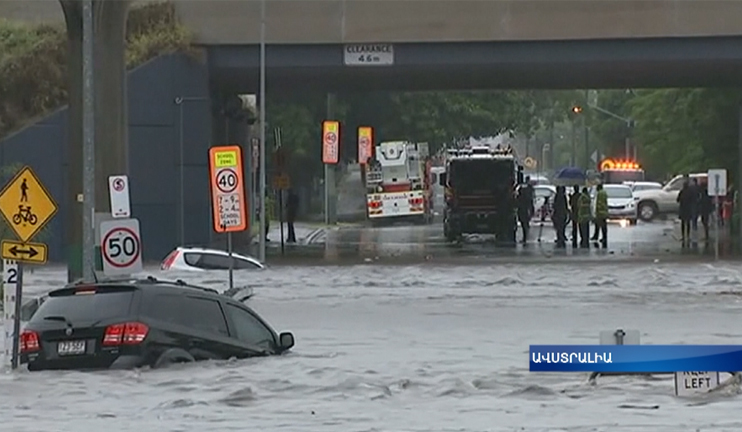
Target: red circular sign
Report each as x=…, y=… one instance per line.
x=118, y=184
x=226, y=180
x=121, y=247
x=365, y=141
x=331, y=138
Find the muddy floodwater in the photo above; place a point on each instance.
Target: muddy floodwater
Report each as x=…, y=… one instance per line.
x=414, y=348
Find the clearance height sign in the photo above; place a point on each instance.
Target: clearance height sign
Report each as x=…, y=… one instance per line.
x=330, y=142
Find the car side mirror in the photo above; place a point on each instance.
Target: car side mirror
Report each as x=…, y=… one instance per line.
x=286, y=340
x=442, y=179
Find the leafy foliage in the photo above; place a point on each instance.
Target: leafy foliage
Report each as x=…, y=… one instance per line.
x=33, y=60
x=677, y=130
x=439, y=118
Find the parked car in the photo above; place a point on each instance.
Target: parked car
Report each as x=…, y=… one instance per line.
x=199, y=259
x=621, y=205
x=539, y=180
x=148, y=322
x=642, y=186
x=652, y=203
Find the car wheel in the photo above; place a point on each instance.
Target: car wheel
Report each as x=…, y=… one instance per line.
x=647, y=211
x=173, y=356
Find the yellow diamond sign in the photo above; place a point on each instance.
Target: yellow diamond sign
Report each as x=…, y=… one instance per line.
x=26, y=205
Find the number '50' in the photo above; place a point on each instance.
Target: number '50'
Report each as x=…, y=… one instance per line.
x=118, y=246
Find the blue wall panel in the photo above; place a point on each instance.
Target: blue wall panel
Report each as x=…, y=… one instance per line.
x=154, y=154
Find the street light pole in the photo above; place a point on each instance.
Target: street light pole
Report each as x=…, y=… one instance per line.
x=573, y=160
x=262, y=233
x=630, y=123
x=181, y=216
x=88, y=149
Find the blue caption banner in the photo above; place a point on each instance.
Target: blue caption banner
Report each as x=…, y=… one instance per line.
x=635, y=358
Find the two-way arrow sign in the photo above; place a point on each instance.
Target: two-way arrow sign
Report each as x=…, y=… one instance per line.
x=30, y=252
x=34, y=253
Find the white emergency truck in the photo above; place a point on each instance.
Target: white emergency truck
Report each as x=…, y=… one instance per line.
x=398, y=182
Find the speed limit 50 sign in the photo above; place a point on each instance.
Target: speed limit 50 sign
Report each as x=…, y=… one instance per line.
x=121, y=247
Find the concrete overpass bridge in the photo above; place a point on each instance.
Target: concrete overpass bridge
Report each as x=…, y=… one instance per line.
x=364, y=45
x=459, y=44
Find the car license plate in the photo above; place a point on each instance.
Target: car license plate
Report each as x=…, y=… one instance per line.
x=71, y=347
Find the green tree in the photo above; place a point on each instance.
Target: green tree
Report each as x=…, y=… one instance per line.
x=687, y=130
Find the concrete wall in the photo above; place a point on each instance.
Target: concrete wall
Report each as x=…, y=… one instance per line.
x=154, y=155
x=340, y=21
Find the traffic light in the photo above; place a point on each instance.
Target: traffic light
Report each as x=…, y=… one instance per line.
x=576, y=109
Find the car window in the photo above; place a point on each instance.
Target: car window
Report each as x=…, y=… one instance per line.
x=192, y=258
x=675, y=184
x=618, y=192
x=88, y=308
x=199, y=313
x=249, y=329
x=242, y=264
x=210, y=261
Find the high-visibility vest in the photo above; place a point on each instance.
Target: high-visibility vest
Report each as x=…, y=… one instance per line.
x=601, y=205
x=584, y=208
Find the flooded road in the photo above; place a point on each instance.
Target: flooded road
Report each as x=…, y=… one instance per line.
x=414, y=348
x=425, y=243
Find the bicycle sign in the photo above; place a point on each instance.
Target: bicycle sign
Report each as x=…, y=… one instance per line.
x=26, y=204
x=121, y=247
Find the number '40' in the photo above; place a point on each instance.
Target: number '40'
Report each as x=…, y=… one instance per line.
x=227, y=181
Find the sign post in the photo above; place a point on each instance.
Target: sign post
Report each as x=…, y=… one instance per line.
x=280, y=182
x=229, y=207
x=330, y=156
x=717, y=186
x=27, y=208
x=10, y=279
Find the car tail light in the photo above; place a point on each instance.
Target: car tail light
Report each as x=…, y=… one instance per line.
x=169, y=260
x=129, y=333
x=29, y=341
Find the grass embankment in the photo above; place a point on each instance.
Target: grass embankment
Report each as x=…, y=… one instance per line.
x=33, y=60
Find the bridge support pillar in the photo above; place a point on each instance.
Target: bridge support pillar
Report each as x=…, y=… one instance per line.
x=111, y=115
x=738, y=205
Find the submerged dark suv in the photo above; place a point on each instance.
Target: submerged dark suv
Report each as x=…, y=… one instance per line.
x=129, y=324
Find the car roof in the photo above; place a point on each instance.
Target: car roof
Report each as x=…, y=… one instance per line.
x=639, y=183
x=189, y=249
x=138, y=283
